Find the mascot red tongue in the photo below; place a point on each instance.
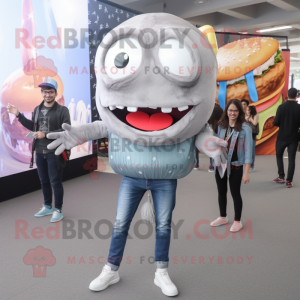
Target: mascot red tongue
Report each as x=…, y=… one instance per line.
x=142, y=121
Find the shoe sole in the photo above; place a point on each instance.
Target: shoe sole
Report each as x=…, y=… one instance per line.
x=56, y=220
x=170, y=295
x=44, y=215
x=211, y=170
x=110, y=283
x=279, y=182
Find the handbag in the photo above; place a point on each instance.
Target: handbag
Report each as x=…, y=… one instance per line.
x=66, y=155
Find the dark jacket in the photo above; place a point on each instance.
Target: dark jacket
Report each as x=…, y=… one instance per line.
x=288, y=120
x=58, y=115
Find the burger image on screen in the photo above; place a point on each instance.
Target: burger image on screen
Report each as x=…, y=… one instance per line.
x=21, y=90
x=253, y=69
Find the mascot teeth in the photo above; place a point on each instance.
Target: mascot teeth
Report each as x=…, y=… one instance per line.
x=163, y=109
x=166, y=109
x=132, y=109
x=182, y=108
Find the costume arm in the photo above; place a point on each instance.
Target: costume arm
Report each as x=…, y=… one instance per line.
x=211, y=145
x=76, y=135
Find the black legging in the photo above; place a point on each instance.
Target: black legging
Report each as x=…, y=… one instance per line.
x=197, y=158
x=235, y=180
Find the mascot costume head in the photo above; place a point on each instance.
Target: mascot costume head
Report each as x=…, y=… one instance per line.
x=170, y=71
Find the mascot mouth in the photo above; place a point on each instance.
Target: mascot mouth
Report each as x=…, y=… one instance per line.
x=150, y=118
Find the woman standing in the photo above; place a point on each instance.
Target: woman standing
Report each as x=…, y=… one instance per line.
x=232, y=128
x=252, y=119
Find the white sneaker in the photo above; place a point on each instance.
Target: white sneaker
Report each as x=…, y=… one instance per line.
x=106, y=278
x=219, y=221
x=163, y=281
x=236, y=226
x=252, y=170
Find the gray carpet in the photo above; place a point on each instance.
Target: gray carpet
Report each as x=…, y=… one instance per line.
x=270, y=239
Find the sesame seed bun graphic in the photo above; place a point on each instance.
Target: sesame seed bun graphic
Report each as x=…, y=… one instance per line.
x=253, y=69
x=240, y=57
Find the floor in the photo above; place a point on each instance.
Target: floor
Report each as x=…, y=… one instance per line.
x=261, y=262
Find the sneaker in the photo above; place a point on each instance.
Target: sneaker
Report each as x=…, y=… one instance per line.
x=106, y=278
x=279, y=180
x=163, y=281
x=211, y=169
x=252, y=170
x=236, y=226
x=57, y=216
x=44, y=211
x=196, y=167
x=289, y=184
x=219, y=221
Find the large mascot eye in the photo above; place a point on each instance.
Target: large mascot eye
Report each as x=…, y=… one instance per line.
x=123, y=58
x=176, y=57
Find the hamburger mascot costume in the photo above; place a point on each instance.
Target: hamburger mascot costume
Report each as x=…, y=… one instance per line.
x=253, y=69
x=154, y=102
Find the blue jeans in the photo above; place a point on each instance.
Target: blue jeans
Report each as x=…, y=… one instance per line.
x=50, y=177
x=253, y=152
x=211, y=160
x=130, y=195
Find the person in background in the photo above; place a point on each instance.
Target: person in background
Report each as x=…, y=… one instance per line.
x=213, y=122
x=237, y=133
x=245, y=104
x=288, y=120
x=252, y=118
x=196, y=167
x=47, y=117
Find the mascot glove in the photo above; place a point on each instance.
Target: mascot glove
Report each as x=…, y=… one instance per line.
x=216, y=148
x=76, y=135
x=67, y=139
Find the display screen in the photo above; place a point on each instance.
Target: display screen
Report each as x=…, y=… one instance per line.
x=103, y=18
x=38, y=39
